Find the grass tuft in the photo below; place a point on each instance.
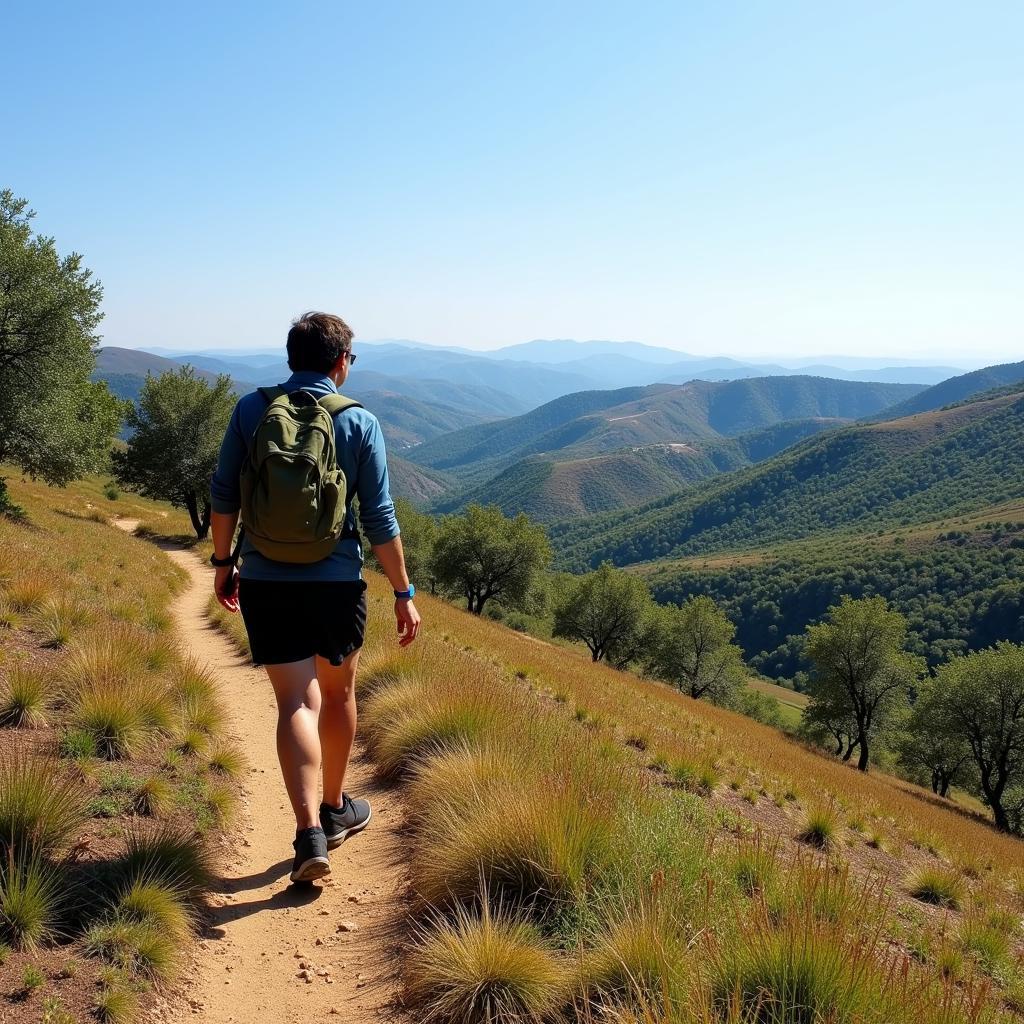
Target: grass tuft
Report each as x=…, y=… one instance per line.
x=821, y=828
x=115, y=1006
x=41, y=806
x=485, y=968
x=24, y=698
x=168, y=855
x=939, y=886
x=31, y=897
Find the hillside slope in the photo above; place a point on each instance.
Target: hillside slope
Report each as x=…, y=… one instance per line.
x=957, y=389
x=595, y=422
x=901, y=471
x=551, y=489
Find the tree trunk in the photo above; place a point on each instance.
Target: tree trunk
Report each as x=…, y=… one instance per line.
x=206, y=519
x=862, y=761
x=192, y=504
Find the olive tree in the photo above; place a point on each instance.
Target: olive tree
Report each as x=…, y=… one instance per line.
x=609, y=610
x=861, y=670
x=55, y=423
x=981, y=697
x=930, y=743
x=177, y=431
x=692, y=648
x=481, y=555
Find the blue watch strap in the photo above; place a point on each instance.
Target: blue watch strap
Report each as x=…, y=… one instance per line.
x=404, y=594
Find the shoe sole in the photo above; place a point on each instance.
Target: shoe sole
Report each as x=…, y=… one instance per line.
x=333, y=842
x=311, y=870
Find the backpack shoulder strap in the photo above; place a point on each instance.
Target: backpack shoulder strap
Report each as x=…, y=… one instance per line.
x=272, y=394
x=338, y=403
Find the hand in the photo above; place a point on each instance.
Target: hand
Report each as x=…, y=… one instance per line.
x=225, y=586
x=408, y=621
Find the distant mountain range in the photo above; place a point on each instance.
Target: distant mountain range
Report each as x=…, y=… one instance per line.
x=521, y=427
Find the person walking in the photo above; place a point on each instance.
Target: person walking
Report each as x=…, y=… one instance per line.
x=293, y=459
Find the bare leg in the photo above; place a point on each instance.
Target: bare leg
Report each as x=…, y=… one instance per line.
x=298, y=742
x=337, y=721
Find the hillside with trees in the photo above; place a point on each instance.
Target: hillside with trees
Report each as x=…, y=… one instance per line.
x=863, y=477
x=959, y=389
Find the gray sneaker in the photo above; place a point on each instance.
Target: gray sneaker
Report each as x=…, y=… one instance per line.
x=310, y=856
x=342, y=822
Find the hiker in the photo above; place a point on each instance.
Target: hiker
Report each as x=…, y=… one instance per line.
x=292, y=460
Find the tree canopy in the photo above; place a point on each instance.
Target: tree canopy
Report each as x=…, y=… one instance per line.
x=177, y=431
x=692, y=648
x=481, y=556
x=54, y=422
x=981, y=697
x=609, y=610
x=861, y=668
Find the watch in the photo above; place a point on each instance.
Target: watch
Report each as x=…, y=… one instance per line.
x=404, y=595
x=222, y=563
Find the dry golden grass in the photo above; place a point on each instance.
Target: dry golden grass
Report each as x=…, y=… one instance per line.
x=685, y=903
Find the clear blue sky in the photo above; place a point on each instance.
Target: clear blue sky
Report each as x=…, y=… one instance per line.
x=746, y=178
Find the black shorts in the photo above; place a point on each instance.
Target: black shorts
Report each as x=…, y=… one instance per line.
x=293, y=621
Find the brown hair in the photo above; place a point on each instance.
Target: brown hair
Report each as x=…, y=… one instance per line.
x=317, y=341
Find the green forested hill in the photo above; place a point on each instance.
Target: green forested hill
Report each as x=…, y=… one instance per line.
x=549, y=489
x=904, y=471
x=595, y=422
x=957, y=389
x=961, y=586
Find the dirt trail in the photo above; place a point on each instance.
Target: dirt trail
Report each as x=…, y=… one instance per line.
x=264, y=939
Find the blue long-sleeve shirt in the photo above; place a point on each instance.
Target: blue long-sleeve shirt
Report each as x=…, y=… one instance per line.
x=361, y=456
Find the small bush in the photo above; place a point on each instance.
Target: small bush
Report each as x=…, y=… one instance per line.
x=115, y=1006
x=226, y=760
x=10, y=618
x=939, y=886
x=153, y=798
x=113, y=717
x=821, y=828
x=988, y=946
x=755, y=866
x=40, y=805
x=28, y=593
x=24, y=698
x=77, y=745
x=638, y=959
x=155, y=903
x=31, y=896
x=138, y=947
x=55, y=1012
x=169, y=855
x=32, y=978
x=60, y=621
x=486, y=969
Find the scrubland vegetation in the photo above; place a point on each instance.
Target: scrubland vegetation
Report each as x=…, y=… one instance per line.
x=114, y=765
x=587, y=844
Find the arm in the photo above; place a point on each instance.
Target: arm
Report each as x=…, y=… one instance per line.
x=226, y=501
x=225, y=582
x=377, y=516
x=392, y=561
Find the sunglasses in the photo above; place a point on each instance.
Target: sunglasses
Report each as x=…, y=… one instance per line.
x=351, y=358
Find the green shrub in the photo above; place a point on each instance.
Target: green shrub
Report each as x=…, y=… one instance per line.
x=77, y=745
x=821, y=828
x=115, y=1006
x=54, y=1012
x=167, y=855
x=41, y=806
x=486, y=969
x=138, y=947
x=113, y=716
x=941, y=886
x=32, y=978
x=24, y=698
x=31, y=897
x=153, y=798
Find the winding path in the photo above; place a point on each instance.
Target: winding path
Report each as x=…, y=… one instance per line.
x=271, y=952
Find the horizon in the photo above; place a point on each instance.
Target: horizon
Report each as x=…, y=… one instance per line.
x=764, y=183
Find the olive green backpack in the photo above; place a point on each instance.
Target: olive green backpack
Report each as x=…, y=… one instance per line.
x=293, y=492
